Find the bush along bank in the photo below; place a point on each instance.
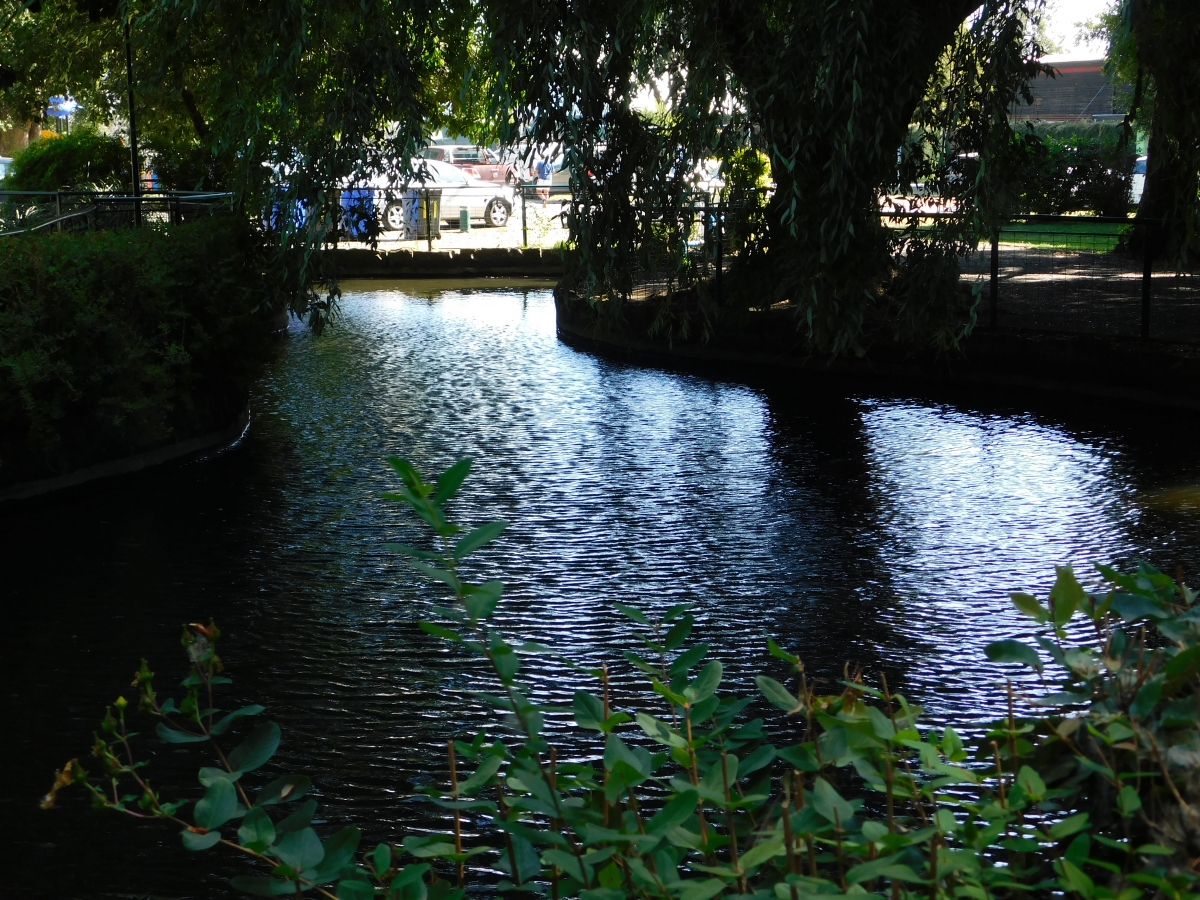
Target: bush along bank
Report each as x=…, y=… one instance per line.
x=117, y=342
x=1088, y=788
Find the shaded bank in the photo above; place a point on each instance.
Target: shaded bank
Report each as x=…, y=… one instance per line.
x=124, y=342
x=1110, y=367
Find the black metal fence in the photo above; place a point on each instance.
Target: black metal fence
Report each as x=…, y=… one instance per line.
x=1082, y=275
x=31, y=212
x=1067, y=274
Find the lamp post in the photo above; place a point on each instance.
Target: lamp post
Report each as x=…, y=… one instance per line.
x=133, y=143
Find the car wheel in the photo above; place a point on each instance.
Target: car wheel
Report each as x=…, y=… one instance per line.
x=497, y=213
x=393, y=217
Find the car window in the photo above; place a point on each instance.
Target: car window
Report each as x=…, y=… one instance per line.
x=446, y=174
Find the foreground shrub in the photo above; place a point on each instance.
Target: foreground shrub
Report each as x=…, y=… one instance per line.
x=115, y=342
x=1090, y=793
x=83, y=159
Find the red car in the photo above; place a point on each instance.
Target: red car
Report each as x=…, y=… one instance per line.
x=478, y=162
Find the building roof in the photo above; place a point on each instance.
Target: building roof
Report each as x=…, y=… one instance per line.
x=1078, y=90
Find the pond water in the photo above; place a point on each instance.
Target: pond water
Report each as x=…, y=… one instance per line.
x=880, y=529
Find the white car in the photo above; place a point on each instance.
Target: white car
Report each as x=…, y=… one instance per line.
x=1139, y=180
x=488, y=201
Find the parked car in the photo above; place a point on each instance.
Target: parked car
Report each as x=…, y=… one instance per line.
x=478, y=162
x=489, y=202
x=1139, y=180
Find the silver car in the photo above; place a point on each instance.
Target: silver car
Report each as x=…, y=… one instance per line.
x=492, y=203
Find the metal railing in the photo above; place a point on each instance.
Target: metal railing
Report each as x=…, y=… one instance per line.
x=32, y=212
x=1083, y=275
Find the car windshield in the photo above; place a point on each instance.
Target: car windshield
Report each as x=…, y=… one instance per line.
x=446, y=174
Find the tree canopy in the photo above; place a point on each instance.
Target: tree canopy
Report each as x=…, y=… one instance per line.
x=850, y=101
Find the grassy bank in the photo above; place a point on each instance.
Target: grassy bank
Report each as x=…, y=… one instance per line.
x=117, y=342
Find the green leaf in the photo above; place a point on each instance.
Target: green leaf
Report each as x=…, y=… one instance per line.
x=1147, y=698
x=660, y=731
x=282, y=790
x=428, y=846
x=217, y=806
x=630, y=612
x=1069, y=826
x=952, y=745
x=604, y=893
x=381, y=859
x=408, y=474
x=256, y=749
x=589, y=711
x=568, y=863
x=761, y=853
x=175, y=736
x=677, y=811
x=678, y=633
x=1075, y=880
x=1182, y=668
x=209, y=774
x=438, y=631
x=339, y=853
x=779, y=653
x=262, y=886
x=481, y=605
x=883, y=727
x=298, y=819
x=760, y=758
x=481, y=776
x=688, y=658
x=257, y=831
x=451, y=480
x=1031, y=782
x=445, y=576
x=482, y=535
x=1031, y=607
x=776, y=693
x=830, y=804
x=1066, y=596
x=1155, y=850
x=801, y=756
x=355, y=889
x=1128, y=801
x=1014, y=652
x=878, y=868
x=701, y=888
x=300, y=849
x=194, y=841
x=1132, y=607
x=223, y=725
x=705, y=684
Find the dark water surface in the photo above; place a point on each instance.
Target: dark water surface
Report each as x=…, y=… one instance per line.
x=884, y=530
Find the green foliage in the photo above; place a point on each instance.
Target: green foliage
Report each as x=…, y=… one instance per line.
x=1079, y=167
x=692, y=793
x=115, y=342
x=82, y=159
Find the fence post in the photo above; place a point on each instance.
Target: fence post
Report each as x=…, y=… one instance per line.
x=524, y=223
x=429, y=222
x=1147, y=259
x=58, y=210
x=720, y=247
x=995, y=279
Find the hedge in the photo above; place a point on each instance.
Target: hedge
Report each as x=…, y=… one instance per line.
x=112, y=343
